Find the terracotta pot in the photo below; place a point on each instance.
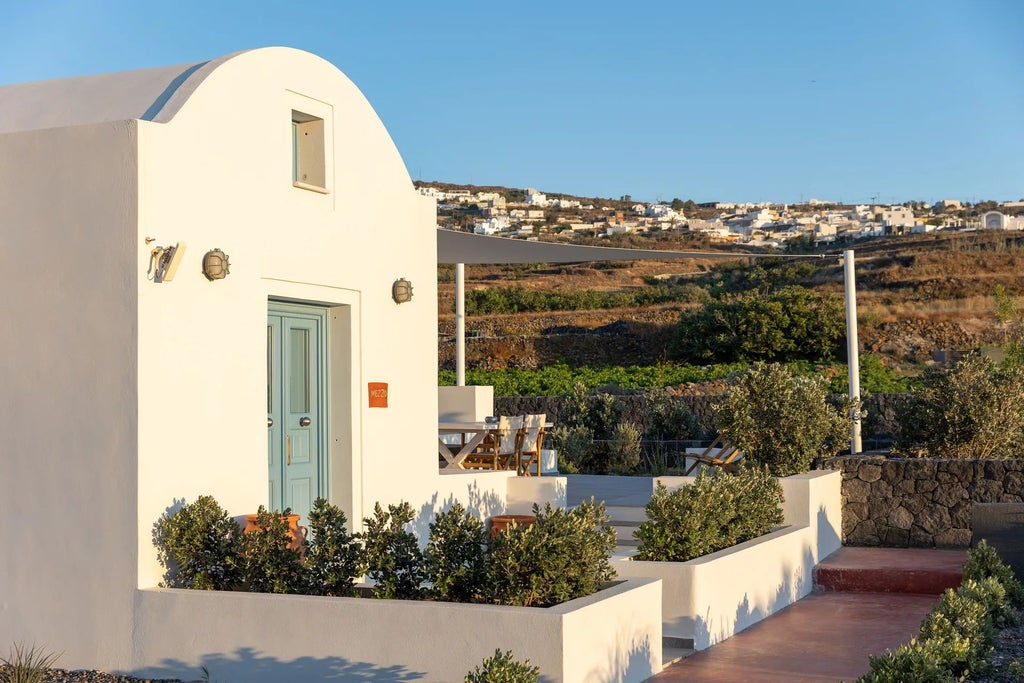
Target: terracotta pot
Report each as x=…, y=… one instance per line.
x=298, y=533
x=500, y=522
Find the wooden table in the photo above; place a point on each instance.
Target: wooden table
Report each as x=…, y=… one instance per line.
x=477, y=430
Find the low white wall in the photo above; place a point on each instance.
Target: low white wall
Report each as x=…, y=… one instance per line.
x=470, y=403
x=713, y=597
x=613, y=635
x=523, y=492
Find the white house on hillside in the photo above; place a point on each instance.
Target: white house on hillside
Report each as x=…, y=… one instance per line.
x=137, y=378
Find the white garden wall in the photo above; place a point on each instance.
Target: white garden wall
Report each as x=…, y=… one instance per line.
x=613, y=635
x=710, y=598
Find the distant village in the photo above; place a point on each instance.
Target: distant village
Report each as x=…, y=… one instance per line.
x=531, y=214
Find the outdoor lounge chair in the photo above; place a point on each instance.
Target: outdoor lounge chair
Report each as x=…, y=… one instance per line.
x=719, y=454
x=532, y=441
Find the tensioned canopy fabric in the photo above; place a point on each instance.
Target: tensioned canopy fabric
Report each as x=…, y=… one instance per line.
x=464, y=247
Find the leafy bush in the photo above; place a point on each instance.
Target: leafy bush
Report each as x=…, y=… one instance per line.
x=973, y=410
x=781, y=420
x=593, y=436
x=502, y=668
x=27, y=665
x=621, y=454
x=562, y=556
x=393, y=556
x=199, y=545
x=915, y=662
x=266, y=562
x=456, y=555
x=962, y=623
x=983, y=562
x=669, y=420
x=334, y=556
x=786, y=324
x=518, y=299
x=717, y=511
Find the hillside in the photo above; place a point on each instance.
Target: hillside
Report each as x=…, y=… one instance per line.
x=916, y=295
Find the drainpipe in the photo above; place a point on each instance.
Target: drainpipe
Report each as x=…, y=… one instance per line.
x=852, y=350
x=460, y=324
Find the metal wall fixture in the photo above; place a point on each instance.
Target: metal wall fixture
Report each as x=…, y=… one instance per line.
x=164, y=261
x=401, y=291
x=216, y=265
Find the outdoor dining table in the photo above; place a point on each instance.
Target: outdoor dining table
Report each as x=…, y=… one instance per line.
x=477, y=431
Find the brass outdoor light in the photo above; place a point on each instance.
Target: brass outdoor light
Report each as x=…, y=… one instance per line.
x=215, y=265
x=401, y=291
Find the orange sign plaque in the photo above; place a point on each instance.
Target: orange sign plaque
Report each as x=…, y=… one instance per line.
x=378, y=394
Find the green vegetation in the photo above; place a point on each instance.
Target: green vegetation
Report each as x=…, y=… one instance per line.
x=518, y=299
x=563, y=555
x=558, y=379
x=791, y=323
x=717, y=511
x=393, y=556
x=957, y=637
x=26, y=664
x=456, y=556
x=593, y=436
x=503, y=668
x=334, y=556
x=199, y=544
x=974, y=410
x=267, y=563
x=781, y=420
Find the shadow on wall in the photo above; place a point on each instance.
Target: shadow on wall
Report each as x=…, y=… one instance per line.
x=621, y=666
x=827, y=536
x=247, y=665
x=792, y=586
x=482, y=504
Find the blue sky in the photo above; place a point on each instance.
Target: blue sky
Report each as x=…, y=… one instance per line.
x=729, y=101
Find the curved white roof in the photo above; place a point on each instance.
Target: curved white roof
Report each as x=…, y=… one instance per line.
x=147, y=94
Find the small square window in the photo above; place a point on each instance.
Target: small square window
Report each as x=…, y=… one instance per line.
x=309, y=170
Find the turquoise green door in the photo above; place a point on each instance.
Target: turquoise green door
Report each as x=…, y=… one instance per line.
x=295, y=429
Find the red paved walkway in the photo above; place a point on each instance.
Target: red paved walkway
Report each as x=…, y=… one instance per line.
x=825, y=637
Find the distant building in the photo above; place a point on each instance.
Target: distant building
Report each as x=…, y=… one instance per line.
x=996, y=220
x=944, y=205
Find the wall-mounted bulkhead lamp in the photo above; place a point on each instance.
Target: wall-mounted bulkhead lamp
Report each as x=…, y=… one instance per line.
x=401, y=291
x=216, y=265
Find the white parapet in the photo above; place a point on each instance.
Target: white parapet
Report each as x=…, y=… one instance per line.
x=612, y=635
x=710, y=598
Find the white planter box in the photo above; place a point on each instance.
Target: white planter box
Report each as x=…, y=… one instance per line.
x=613, y=635
x=708, y=599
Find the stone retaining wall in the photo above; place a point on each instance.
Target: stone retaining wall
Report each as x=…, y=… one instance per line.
x=920, y=502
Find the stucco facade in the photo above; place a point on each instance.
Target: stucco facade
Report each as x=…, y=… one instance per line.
x=124, y=396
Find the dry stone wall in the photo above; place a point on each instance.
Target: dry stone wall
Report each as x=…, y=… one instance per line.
x=920, y=502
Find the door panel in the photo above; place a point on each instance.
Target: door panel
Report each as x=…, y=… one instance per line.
x=296, y=338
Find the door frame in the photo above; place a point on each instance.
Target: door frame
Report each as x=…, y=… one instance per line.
x=318, y=312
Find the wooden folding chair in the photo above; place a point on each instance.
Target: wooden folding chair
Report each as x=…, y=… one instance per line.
x=531, y=444
x=499, y=448
x=719, y=454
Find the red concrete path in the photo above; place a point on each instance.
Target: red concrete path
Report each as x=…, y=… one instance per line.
x=891, y=570
x=825, y=637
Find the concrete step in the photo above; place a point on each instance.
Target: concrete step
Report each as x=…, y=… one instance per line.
x=626, y=513
x=923, y=571
x=674, y=649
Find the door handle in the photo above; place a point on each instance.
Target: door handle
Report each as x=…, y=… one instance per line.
x=304, y=421
x=288, y=441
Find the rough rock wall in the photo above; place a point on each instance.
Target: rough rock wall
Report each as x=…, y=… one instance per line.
x=920, y=502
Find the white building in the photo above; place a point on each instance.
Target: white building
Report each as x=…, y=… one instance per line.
x=137, y=383
x=536, y=198
x=996, y=220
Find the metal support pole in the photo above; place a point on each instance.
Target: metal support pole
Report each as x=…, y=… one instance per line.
x=460, y=324
x=852, y=348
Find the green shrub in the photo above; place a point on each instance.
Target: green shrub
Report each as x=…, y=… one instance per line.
x=717, y=511
x=973, y=410
x=781, y=420
x=622, y=452
x=502, y=668
x=456, y=555
x=983, y=562
x=27, y=664
x=962, y=625
x=393, y=556
x=198, y=545
x=562, y=556
x=915, y=662
x=668, y=419
x=789, y=323
x=593, y=436
x=334, y=556
x=266, y=562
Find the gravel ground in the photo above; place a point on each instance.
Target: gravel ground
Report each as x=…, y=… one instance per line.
x=1007, y=665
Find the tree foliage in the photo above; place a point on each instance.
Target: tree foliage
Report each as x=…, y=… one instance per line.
x=973, y=410
x=781, y=420
x=790, y=323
